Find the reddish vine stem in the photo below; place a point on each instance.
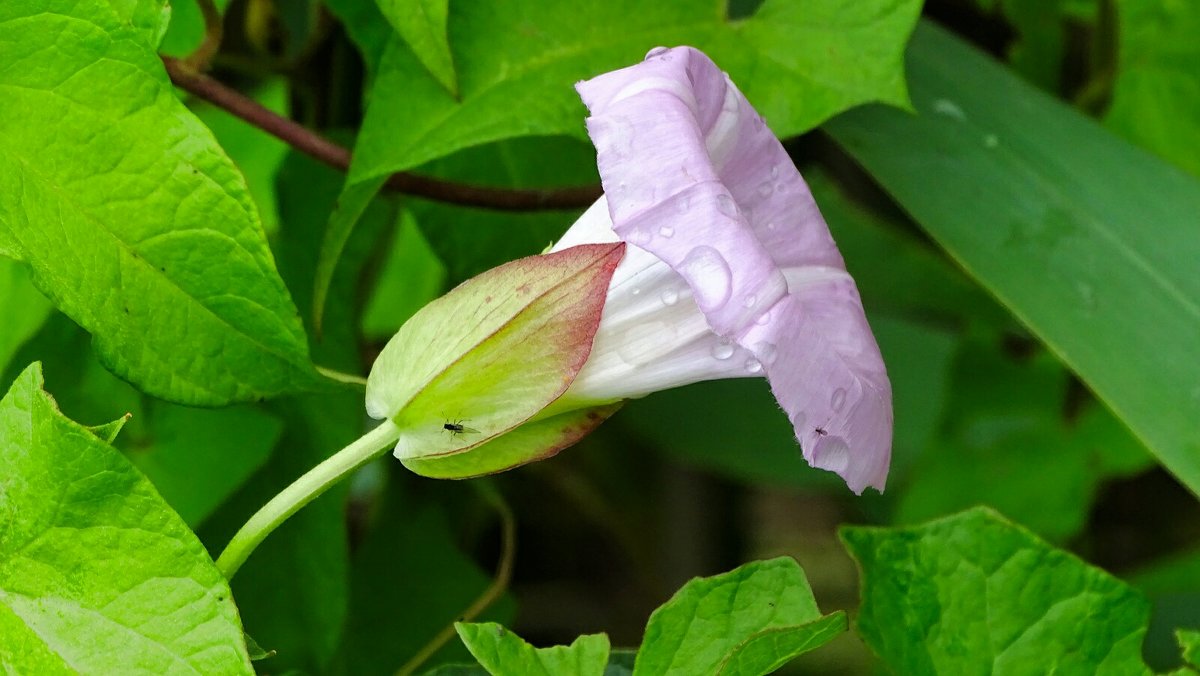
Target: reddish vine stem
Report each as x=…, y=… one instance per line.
x=214, y=31
x=326, y=151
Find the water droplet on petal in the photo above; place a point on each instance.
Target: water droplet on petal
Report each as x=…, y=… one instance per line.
x=767, y=352
x=683, y=204
x=709, y=276
x=839, y=399
x=670, y=297
x=765, y=189
x=750, y=300
x=770, y=226
x=638, y=237
x=753, y=365
x=798, y=420
x=833, y=454
x=723, y=349
x=635, y=291
x=657, y=51
x=727, y=206
x=666, y=231
x=774, y=172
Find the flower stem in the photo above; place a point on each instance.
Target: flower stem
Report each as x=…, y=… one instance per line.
x=303, y=491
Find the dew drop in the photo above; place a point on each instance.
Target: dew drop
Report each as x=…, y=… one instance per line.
x=669, y=297
x=749, y=301
x=949, y=109
x=832, y=453
x=723, y=349
x=727, y=206
x=753, y=365
x=991, y=141
x=798, y=420
x=709, y=276
x=774, y=172
x=635, y=291
x=683, y=204
x=638, y=237
x=767, y=352
x=666, y=231
x=765, y=188
x=839, y=399
x=771, y=226
x=657, y=51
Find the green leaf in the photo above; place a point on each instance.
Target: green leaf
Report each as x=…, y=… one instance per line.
x=1172, y=584
x=1156, y=96
x=517, y=65
x=1086, y=240
x=97, y=574
x=347, y=210
x=422, y=25
x=502, y=652
x=620, y=662
x=197, y=458
x=493, y=352
x=257, y=154
x=132, y=219
x=25, y=309
x=749, y=621
x=977, y=594
x=1005, y=443
x=1189, y=641
x=411, y=277
x=149, y=17
x=410, y=579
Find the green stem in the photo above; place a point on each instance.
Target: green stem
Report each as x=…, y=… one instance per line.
x=303, y=491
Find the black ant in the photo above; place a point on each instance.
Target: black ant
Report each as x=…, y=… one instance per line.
x=820, y=430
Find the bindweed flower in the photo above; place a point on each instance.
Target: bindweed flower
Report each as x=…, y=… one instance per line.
x=727, y=269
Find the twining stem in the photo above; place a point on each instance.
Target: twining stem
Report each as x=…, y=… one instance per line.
x=303, y=491
x=201, y=59
x=508, y=553
x=322, y=149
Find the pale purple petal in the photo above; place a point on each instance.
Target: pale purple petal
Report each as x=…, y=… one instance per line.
x=694, y=176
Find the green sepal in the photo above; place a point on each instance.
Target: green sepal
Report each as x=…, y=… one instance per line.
x=532, y=441
x=492, y=354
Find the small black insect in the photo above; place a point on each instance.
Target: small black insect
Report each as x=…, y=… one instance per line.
x=820, y=430
x=456, y=428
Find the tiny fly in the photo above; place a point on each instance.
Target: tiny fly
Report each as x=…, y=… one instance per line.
x=820, y=431
x=456, y=428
